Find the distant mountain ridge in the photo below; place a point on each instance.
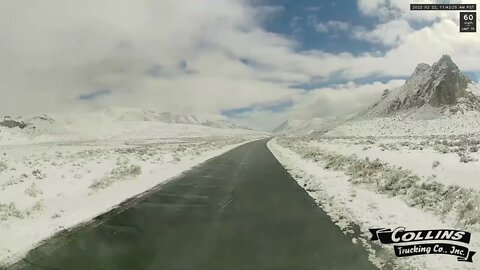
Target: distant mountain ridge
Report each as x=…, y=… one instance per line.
x=438, y=89
x=116, y=123
x=288, y=125
x=116, y=114
x=303, y=127
x=169, y=117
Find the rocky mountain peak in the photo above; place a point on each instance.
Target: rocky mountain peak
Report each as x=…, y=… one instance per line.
x=445, y=60
x=420, y=69
x=448, y=83
x=442, y=86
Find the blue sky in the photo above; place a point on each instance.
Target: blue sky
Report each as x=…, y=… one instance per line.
x=257, y=62
x=352, y=27
x=297, y=19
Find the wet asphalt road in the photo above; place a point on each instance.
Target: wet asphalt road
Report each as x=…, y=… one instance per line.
x=241, y=210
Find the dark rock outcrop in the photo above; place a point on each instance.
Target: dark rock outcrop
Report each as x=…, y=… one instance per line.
x=441, y=86
x=10, y=123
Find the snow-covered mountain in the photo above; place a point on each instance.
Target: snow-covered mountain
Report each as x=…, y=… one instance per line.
x=302, y=127
x=119, y=114
x=436, y=100
x=115, y=123
x=430, y=92
x=133, y=114
x=288, y=125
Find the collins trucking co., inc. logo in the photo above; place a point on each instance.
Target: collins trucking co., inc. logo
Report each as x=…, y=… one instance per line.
x=437, y=242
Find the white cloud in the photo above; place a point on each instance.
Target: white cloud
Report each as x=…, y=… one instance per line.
x=339, y=100
x=326, y=27
x=268, y=11
x=388, y=10
x=208, y=55
x=52, y=53
x=322, y=28
x=392, y=9
x=390, y=33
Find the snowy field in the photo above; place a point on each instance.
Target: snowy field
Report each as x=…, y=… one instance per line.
x=48, y=187
x=402, y=126
x=57, y=173
x=390, y=182
x=410, y=160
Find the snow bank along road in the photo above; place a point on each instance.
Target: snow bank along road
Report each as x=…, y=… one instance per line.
x=240, y=210
x=50, y=187
x=390, y=183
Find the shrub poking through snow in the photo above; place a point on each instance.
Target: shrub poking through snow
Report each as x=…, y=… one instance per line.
x=38, y=174
x=33, y=190
x=116, y=174
x=435, y=164
x=135, y=170
x=9, y=210
x=464, y=203
x=441, y=148
x=465, y=158
x=176, y=158
x=37, y=207
x=122, y=160
x=10, y=123
x=3, y=166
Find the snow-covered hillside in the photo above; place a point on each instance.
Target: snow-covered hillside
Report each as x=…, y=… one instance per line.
x=390, y=183
x=397, y=126
x=437, y=100
x=49, y=187
x=132, y=114
x=431, y=91
x=115, y=124
x=59, y=171
x=411, y=159
x=303, y=127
